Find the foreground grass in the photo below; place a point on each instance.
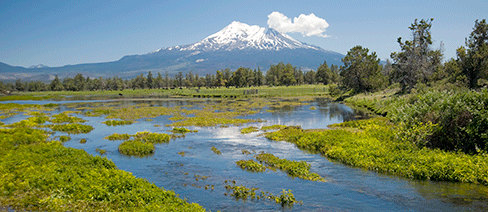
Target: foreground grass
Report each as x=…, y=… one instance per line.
x=41, y=175
x=371, y=144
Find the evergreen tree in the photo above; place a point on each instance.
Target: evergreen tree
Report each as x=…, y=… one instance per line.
x=416, y=62
x=361, y=71
x=149, y=80
x=473, y=59
x=56, y=84
x=159, y=81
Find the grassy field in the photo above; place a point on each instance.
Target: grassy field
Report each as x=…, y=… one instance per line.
x=263, y=91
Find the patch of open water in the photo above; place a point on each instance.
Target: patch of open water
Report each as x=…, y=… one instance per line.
x=346, y=189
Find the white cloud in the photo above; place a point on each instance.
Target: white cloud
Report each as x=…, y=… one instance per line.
x=308, y=25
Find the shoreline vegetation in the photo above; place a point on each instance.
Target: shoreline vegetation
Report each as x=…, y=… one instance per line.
x=384, y=144
x=430, y=122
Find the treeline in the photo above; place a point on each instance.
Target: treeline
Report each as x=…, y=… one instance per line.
x=277, y=75
x=416, y=63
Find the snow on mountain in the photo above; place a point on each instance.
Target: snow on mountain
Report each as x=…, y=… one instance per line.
x=240, y=36
x=39, y=66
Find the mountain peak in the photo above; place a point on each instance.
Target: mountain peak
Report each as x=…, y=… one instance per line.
x=38, y=66
x=241, y=36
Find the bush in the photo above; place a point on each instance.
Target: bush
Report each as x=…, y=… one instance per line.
x=452, y=120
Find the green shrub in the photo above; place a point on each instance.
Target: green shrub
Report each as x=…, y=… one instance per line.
x=82, y=141
x=136, y=148
x=454, y=120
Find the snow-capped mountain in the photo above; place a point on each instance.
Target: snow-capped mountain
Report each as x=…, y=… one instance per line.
x=39, y=66
x=241, y=36
x=236, y=45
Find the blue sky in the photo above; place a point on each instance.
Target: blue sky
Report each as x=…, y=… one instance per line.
x=57, y=33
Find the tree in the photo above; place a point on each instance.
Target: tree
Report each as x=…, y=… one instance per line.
x=473, y=59
x=159, y=81
x=310, y=77
x=361, y=71
x=149, y=80
x=79, y=82
x=416, y=61
x=56, y=84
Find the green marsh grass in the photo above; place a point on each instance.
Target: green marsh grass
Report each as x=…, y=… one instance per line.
x=136, y=148
x=65, y=118
x=249, y=129
x=74, y=128
x=251, y=165
x=300, y=169
x=117, y=122
x=285, y=199
x=371, y=144
x=182, y=130
x=55, y=178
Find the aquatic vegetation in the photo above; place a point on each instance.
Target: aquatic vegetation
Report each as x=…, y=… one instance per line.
x=286, y=133
x=272, y=127
x=182, y=130
x=82, y=141
x=65, y=118
x=216, y=151
x=300, y=169
x=29, y=123
x=242, y=192
x=251, y=165
x=200, y=177
x=71, y=128
x=21, y=136
x=52, y=177
x=64, y=138
x=182, y=153
x=245, y=152
x=101, y=151
x=118, y=122
x=313, y=108
x=249, y=129
x=136, y=148
x=144, y=136
x=38, y=117
x=117, y=136
x=210, y=122
x=151, y=137
x=286, y=198
x=371, y=144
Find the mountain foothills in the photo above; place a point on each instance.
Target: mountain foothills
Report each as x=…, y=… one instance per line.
x=236, y=45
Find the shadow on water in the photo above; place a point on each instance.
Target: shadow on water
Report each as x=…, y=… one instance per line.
x=193, y=174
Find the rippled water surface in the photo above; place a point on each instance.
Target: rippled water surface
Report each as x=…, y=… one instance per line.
x=346, y=188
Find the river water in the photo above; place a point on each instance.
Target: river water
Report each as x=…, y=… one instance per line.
x=346, y=188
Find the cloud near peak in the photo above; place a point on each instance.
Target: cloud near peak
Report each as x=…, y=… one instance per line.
x=308, y=25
